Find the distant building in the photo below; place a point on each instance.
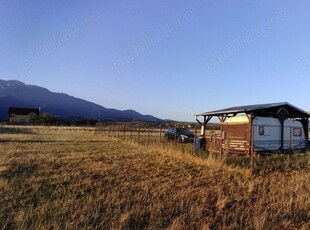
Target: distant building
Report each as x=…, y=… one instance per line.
x=21, y=115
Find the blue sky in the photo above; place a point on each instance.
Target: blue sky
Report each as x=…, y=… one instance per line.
x=170, y=59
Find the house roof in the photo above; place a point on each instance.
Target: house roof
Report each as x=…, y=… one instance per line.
x=260, y=109
x=23, y=111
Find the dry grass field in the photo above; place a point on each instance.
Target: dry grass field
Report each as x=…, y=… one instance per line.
x=57, y=178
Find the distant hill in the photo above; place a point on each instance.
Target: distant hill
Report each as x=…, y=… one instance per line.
x=17, y=94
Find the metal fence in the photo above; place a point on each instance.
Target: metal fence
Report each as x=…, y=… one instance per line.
x=148, y=135
x=149, y=132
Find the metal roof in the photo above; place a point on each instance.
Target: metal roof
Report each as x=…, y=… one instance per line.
x=260, y=109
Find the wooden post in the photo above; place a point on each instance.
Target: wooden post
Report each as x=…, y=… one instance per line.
x=222, y=119
x=290, y=140
x=195, y=136
x=282, y=135
x=160, y=133
x=252, y=143
x=305, y=123
x=221, y=141
x=290, y=146
x=124, y=132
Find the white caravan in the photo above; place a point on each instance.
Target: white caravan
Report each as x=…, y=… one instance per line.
x=267, y=133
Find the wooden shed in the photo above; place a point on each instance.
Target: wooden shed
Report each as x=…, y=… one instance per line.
x=257, y=128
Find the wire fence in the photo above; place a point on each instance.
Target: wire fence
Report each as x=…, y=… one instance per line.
x=152, y=135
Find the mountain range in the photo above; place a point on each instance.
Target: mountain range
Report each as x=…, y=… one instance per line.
x=18, y=94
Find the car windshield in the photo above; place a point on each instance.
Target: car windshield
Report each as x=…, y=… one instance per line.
x=183, y=131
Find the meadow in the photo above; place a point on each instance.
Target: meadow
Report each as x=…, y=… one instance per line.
x=69, y=178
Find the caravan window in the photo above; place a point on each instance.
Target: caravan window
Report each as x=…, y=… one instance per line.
x=261, y=130
x=297, y=132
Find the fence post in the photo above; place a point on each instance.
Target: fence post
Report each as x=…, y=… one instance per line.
x=124, y=132
x=130, y=134
x=139, y=133
x=148, y=133
x=160, y=133
x=175, y=133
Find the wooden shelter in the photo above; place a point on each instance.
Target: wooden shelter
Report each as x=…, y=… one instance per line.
x=240, y=138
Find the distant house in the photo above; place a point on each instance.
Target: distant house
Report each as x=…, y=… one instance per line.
x=21, y=115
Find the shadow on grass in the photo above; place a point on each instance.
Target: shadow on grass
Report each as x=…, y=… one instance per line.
x=18, y=170
x=264, y=164
x=13, y=130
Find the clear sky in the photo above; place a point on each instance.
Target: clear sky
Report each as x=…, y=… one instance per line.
x=170, y=59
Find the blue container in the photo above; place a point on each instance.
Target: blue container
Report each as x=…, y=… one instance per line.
x=200, y=143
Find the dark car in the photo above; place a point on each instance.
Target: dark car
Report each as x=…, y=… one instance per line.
x=180, y=135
